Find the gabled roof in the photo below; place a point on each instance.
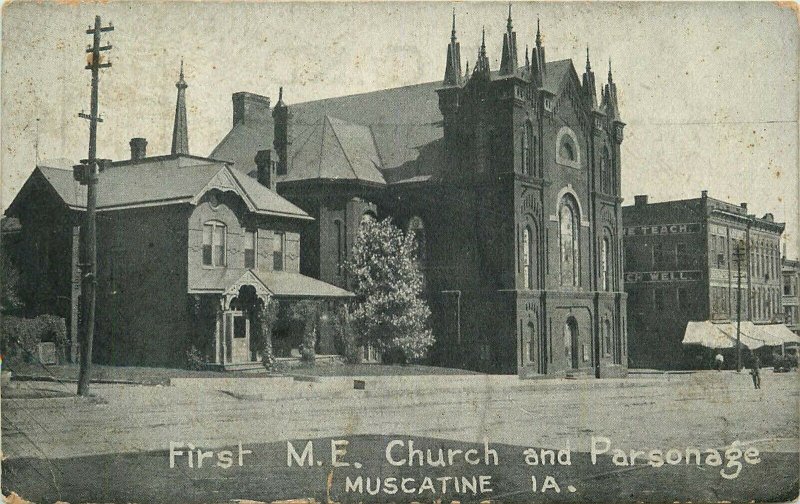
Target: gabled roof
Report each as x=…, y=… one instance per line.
x=404, y=122
x=164, y=180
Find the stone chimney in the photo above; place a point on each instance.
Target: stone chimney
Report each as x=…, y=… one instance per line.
x=138, y=148
x=704, y=194
x=744, y=206
x=249, y=107
x=266, y=169
x=640, y=200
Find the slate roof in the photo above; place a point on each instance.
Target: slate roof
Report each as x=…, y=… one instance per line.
x=404, y=123
x=163, y=180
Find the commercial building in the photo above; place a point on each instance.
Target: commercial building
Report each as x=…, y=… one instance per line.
x=681, y=266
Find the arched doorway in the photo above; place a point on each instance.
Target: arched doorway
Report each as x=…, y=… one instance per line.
x=571, y=347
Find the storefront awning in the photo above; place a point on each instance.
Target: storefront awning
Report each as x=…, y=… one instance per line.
x=711, y=335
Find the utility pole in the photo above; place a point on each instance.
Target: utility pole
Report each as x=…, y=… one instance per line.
x=86, y=174
x=740, y=254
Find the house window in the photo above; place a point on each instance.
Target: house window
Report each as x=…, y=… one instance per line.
x=214, y=244
x=569, y=241
x=527, y=257
x=605, y=277
x=278, y=245
x=249, y=249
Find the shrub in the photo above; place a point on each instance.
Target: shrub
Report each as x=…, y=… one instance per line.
x=307, y=311
x=390, y=313
x=346, y=341
x=21, y=336
x=265, y=318
x=195, y=360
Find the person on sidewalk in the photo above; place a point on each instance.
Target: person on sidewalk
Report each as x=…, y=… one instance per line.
x=719, y=361
x=755, y=372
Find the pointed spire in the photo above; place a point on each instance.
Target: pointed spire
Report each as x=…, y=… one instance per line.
x=527, y=61
x=508, y=62
x=610, y=79
x=466, y=73
x=588, y=64
x=538, y=33
x=482, y=64
x=589, y=89
x=280, y=103
x=180, y=129
x=452, y=72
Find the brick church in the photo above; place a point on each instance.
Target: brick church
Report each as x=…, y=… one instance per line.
x=510, y=178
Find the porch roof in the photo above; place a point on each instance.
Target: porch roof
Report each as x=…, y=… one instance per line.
x=280, y=284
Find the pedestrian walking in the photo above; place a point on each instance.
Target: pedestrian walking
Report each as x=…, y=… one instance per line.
x=719, y=361
x=755, y=372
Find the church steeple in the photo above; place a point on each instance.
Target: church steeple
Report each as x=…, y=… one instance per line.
x=482, y=64
x=452, y=73
x=589, y=88
x=508, y=62
x=180, y=130
x=610, y=96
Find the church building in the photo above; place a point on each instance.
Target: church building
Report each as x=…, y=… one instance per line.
x=510, y=179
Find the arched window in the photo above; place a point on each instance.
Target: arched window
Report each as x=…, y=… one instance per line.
x=607, y=336
x=567, y=150
x=527, y=257
x=214, y=244
x=568, y=235
x=527, y=149
x=417, y=227
x=605, y=263
x=531, y=342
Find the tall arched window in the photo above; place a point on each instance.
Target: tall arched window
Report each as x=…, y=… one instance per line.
x=568, y=235
x=605, y=263
x=607, y=336
x=527, y=257
x=531, y=342
x=417, y=227
x=527, y=149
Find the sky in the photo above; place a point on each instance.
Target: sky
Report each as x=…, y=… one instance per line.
x=709, y=91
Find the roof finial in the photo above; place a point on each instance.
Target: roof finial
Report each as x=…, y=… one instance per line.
x=588, y=65
x=538, y=33
x=180, y=129
x=509, y=26
x=609, y=70
x=454, y=21
x=483, y=40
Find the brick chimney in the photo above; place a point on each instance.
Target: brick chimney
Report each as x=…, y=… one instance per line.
x=266, y=169
x=250, y=107
x=138, y=148
x=744, y=206
x=640, y=200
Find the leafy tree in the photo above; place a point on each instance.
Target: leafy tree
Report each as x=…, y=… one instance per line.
x=390, y=313
x=265, y=317
x=10, y=300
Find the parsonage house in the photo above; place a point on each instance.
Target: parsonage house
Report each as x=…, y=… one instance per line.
x=188, y=249
x=509, y=178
